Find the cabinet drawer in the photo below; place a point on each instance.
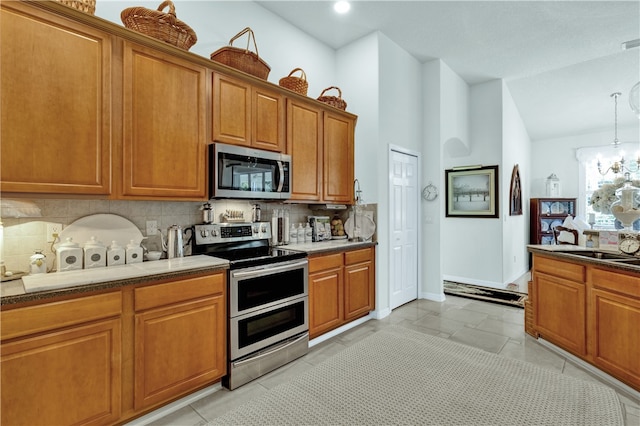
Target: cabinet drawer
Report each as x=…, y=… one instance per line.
x=357, y=256
x=178, y=291
x=621, y=283
x=321, y=263
x=34, y=319
x=559, y=268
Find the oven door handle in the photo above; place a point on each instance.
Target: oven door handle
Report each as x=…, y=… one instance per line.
x=271, y=351
x=268, y=270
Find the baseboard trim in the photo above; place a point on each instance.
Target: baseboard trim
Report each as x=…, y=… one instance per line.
x=174, y=406
x=329, y=334
x=612, y=381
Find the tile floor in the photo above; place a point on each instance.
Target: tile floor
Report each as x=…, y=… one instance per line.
x=494, y=328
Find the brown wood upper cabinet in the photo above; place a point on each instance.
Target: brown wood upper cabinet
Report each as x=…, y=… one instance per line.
x=247, y=115
x=322, y=149
x=164, y=128
x=55, y=80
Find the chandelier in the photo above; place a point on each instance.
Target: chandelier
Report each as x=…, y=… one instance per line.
x=619, y=166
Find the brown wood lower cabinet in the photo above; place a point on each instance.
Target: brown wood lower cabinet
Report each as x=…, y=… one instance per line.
x=61, y=362
x=614, y=324
x=590, y=311
x=341, y=288
x=180, y=338
x=107, y=358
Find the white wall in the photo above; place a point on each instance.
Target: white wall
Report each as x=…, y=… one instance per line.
x=516, y=148
x=558, y=155
x=472, y=248
x=280, y=44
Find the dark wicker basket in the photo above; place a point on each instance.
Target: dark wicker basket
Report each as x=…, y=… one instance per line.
x=296, y=84
x=242, y=59
x=334, y=101
x=162, y=26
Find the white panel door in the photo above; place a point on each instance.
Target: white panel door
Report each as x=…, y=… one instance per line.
x=404, y=228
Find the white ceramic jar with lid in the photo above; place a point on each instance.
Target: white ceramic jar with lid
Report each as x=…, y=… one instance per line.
x=38, y=263
x=95, y=254
x=68, y=256
x=134, y=252
x=115, y=254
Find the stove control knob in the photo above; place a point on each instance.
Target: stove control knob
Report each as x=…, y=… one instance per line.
x=204, y=233
x=255, y=229
x=263, y=228
x=214, y=232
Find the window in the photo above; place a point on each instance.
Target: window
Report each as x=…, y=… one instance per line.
x=590, y=179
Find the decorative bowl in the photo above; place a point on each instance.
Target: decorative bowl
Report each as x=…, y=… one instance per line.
x=153, y=255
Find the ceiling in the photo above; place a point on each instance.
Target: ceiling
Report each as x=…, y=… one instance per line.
x=561, y=60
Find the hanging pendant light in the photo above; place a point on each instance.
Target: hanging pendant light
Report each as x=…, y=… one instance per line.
x=619, y=165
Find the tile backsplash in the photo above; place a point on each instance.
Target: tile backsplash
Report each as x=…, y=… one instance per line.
x=22, y=236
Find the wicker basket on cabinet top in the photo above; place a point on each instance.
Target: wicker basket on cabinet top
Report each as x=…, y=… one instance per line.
x=243, y=59
x=86, y=6
x=162, y=26
x=296, y=84
x=334, y=101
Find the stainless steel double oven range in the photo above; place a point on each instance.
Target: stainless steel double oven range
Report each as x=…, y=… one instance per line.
x=268, y=303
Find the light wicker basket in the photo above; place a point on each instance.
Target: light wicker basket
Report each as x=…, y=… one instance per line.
x=334, y=101
x=162, y=26
x=86, y=6
x=296, y=84
x=243, y=59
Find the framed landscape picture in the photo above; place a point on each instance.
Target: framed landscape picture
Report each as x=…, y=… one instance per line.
x=472, y=192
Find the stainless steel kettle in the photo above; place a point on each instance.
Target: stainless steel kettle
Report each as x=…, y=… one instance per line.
x=174, y=245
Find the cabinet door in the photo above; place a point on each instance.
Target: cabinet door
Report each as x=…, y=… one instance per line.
x=615, y=335
x=231, y=110
x=359, y=282
x=338, y=151
x=304, y=144
x=267, y=120
x=164, y=113
x=71, y=376
x=55, y=80
x=179, y=348
x=326, y=307
x=560, y=313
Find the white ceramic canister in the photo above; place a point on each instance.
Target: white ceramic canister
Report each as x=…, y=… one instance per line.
x=38, y=263
x=95, y=254
x=134, y=252
x=68, y=256
x=115, y=254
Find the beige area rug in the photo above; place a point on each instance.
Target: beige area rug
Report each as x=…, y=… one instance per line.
x=399, y=376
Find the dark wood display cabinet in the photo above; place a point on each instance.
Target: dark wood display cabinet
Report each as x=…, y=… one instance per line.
x=546, y=214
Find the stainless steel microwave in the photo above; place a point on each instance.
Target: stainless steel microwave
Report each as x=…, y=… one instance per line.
x=241, y=172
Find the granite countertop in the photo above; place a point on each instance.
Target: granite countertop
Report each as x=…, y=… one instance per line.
x=599, y=257
x=45, y=286
x=329, y=246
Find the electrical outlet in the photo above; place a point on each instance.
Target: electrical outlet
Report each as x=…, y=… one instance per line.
x=152, y=227
x=53, y=231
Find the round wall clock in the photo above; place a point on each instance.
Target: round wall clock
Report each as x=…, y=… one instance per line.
x=430, y=192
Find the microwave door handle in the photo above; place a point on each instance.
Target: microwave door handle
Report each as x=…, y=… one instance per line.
x=281, y=176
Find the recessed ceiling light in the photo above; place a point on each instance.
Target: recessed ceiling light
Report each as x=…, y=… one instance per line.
x=342, y=6
x=631, y=44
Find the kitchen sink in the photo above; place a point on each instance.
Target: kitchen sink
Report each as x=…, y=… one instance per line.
x=613, y=257
x=600, y=255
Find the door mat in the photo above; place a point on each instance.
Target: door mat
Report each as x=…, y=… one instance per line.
x=487, y=294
